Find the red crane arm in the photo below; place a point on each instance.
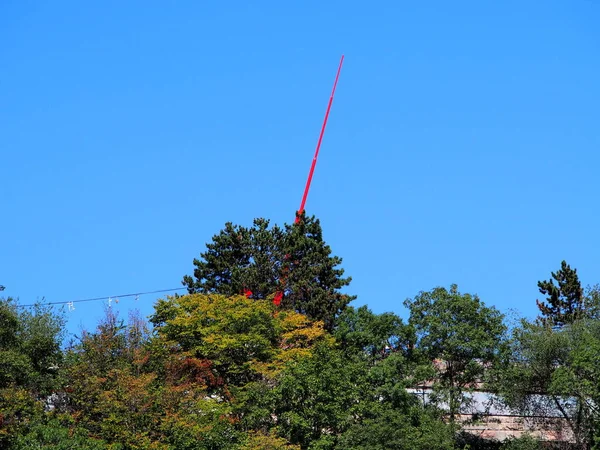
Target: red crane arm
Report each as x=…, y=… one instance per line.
x=314, y=161
x=279, y=294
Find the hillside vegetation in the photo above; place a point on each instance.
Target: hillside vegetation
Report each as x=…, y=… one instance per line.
x=265, y=352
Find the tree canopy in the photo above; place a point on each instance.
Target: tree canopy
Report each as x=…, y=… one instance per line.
x=565, y=300
x=265, y=352
x=263, y=261
x=459, y=336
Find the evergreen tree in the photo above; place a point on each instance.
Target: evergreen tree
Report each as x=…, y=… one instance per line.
x=312, y=277
x=293, y=262
x=565, y=300
x=239, y=260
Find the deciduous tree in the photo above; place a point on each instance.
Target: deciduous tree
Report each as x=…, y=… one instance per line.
x=554, y=372
x=460, y=337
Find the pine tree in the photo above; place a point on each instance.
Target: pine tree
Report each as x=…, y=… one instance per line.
x=262, y=261
x=565, y=300
x=314, y=279
x=239, y=260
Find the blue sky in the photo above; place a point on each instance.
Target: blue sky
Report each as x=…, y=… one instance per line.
x=462, y=145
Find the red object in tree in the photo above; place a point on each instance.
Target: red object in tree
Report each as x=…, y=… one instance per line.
x=247, y=293
x=277, y=298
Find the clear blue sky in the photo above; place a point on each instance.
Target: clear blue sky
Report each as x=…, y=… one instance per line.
x=462, y=146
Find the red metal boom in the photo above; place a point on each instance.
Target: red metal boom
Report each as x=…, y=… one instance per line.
x=314, y=161
x=279, y=294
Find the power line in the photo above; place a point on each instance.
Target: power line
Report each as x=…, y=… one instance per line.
x=110, y=297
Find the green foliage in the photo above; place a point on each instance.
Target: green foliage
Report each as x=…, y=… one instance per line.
x=461, y=336
x=53, y=435
x=321, y=395
x=317, y=397
x=388, y=416
x=42, y=333
x=240, y=258
x=29, y=358
x=313, y=281
x=109, y=393
x=10, y=321
x=138, y=393
x=294, y=260
x=526, y=370
x=254, y=405
x=200, y=424
x=554, y=371
x=244, y=339
x=248, y=343
x=29, y=346
x=232, y=332
x=223, y=371
x=375, y=336
x=18, y=411
x=414, y=429
x=525, y=442
x=15, y=368
x=258, y=441
x=565, y=299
